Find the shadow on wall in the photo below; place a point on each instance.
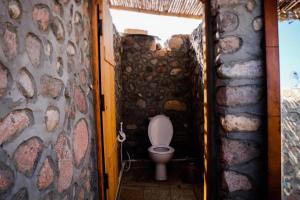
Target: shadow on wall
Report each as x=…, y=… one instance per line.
x=159, y=80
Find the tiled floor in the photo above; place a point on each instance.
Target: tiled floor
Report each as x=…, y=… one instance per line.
x=139, y=184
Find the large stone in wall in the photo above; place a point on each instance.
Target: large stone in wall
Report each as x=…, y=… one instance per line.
x=71, y=49
x=80, y=100
x=161, y=52
x=141, y=103
x=243, y=69
x=46, y=174
x=230, y=44
x=41, y=14
x=14, y=123
x=80, y=141
x=175, y=105
x=3, y=79
x=176, y=71
x=233, y=181
x=238, y=95
x=251, y=5
x=6, y=178
x=58, y=29
x=26, y=83
x=65, y=163
x=257, y=23
x=14, y=9
x=175, y=42
x=34, y=49
x=227, y=21
x=240, y=123
x=52, y=118
x=235, y=152
x=10, y=41
x=27, y=155
x=51, y=86
x=152, y=46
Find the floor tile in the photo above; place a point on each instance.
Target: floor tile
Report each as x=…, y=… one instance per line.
x=182, y=194
x=156, y=193
x=131, y=193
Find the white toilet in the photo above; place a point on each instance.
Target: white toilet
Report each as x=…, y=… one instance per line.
x=160, y=133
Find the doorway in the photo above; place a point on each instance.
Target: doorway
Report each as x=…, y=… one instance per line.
x=187, y=95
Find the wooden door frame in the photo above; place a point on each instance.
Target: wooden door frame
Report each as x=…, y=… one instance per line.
x=210, y=181
x=273, y=99
x=96, y=62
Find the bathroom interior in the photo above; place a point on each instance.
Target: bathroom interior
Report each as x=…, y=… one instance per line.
x=159, y=114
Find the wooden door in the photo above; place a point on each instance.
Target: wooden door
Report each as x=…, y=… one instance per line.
x=96, y=6
x=110, y=144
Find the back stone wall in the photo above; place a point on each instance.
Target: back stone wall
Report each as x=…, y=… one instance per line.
x=46, y=114
x=157, y=81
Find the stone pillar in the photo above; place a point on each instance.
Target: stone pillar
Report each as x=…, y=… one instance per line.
x=46, y=102
x=240, y=94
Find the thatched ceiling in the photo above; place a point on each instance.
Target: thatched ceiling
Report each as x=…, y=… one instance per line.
x=289, y=9
x=180, y=8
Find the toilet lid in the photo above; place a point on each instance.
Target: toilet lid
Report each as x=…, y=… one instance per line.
x=160, y=130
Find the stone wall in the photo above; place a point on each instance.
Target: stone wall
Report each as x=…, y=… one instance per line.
x=197, y=61
x=290, y=143
x=240, y=97
x=46, y=114
x=157, y=81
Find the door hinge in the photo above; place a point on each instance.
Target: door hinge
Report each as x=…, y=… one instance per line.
x=102, y=103
x=100, y=26
x=106, y=181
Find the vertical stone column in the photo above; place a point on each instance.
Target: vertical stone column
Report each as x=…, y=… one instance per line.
x=47, y=124
x=240, y=105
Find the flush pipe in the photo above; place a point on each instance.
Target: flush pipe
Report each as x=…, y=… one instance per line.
x=121, y=138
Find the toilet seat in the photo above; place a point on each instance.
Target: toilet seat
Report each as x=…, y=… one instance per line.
x=160, y=130
x=161, y=149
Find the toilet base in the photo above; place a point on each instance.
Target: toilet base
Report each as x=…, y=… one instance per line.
x=160, y=172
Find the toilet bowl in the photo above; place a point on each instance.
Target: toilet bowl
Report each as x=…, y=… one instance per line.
x=160, y=133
